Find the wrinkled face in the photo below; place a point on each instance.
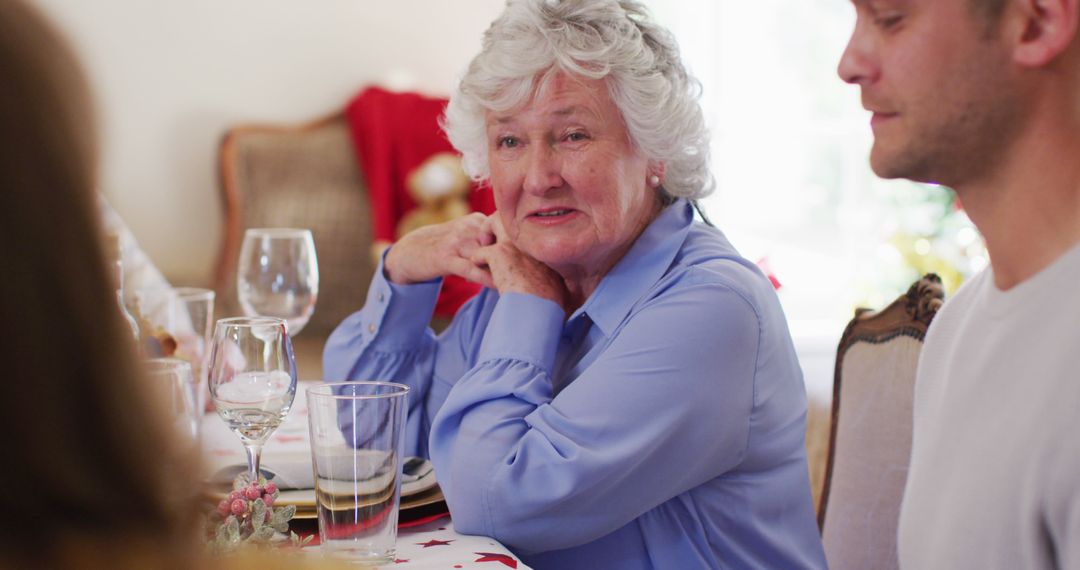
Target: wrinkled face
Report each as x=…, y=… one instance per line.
x=570, y=188
x=938, y=82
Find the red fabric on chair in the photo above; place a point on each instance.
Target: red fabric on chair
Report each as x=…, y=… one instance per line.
x=392, y=134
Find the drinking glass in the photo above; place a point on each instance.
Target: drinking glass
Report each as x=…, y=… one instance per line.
x=174, y=379
x=193, y=313
x=185, y=315
x=252, y=377
x=357, y=452
x=278, y=275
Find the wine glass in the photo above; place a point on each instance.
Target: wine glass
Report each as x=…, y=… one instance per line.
x=252, y=379
x=278, y=275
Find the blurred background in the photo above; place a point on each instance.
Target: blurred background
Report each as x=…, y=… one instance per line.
x=795, y=192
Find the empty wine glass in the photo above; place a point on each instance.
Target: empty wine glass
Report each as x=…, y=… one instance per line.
x=278, y=275
x=252, y=378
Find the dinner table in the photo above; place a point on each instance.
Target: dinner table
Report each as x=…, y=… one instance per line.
x=426, y=535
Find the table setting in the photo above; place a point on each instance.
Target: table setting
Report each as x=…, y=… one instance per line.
x=425, y=534
x=310, y=464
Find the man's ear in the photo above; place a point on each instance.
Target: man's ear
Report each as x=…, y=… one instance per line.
x=1040, y=29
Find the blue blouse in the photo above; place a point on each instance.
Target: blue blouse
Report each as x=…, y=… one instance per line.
x=661, y=425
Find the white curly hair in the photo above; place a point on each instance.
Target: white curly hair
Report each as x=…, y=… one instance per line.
x=613, y=40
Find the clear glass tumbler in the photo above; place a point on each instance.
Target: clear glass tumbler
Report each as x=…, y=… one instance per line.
x=357, y=448
x=175, y=380
x=193, y=320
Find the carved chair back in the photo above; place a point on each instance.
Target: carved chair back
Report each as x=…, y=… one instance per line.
x=870, y=438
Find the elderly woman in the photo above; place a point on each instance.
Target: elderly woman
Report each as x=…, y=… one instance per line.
x=624, y=392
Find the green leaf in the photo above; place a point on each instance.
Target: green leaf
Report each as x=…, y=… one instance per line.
x=264, y=534
x=281, y=527
x=283, y=515
x=233, y=528
x=258, y=514
x=297, y=542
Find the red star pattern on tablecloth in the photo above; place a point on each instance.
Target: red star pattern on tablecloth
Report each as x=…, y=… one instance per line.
x=495, y=557
x=400, y=561
x=434, y=542
x=288, y=438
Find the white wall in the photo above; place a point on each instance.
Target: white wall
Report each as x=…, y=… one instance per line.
x=171, y=76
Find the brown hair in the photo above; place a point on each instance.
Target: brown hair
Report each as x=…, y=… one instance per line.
x=85, y=450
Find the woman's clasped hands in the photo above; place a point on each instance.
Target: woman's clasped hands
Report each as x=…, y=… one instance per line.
x=474, y=247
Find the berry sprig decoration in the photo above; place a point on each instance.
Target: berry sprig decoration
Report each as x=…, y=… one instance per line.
x=248, y=517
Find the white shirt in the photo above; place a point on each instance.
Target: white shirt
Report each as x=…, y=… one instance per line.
x=995, y=466
x=140, y=273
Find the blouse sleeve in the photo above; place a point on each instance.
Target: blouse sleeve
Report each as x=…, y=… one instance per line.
x=389, y=340
x=664, y=409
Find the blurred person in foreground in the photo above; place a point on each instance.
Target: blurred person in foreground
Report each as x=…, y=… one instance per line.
x=85, y=482
x=624, y=393
x=983, y=96
x=93, y=476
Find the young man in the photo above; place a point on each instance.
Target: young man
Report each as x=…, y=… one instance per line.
x=984, y=96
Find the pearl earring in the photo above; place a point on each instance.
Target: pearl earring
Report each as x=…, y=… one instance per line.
x=654, y=180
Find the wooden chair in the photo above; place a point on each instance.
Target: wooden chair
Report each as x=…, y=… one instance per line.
x=870, y=438
x=302, y=176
